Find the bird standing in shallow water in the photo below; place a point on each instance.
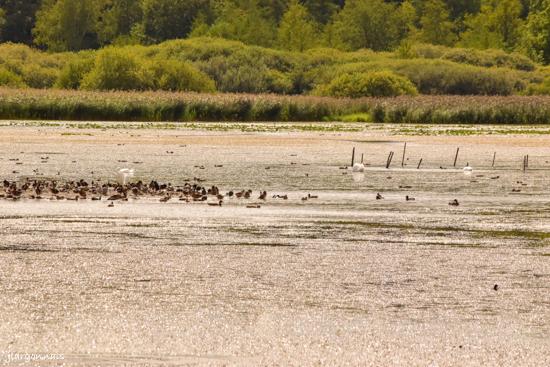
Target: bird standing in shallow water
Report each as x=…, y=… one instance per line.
x=408, y=198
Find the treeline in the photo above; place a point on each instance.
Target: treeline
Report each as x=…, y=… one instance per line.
x=72, y=25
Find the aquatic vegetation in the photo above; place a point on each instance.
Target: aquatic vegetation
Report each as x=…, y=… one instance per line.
x=32, y=104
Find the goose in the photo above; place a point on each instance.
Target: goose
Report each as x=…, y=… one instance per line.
x=408, y=198
x=123, y=175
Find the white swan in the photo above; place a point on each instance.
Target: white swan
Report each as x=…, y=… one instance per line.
x=123, y=175
x=358, y=167
x=467, y=170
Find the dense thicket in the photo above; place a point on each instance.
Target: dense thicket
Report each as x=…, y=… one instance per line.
x=214, y=64
x=381, y=25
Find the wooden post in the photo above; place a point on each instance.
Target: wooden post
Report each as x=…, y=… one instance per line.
x=524, y=163
x=362, y=158
x=353, y=157
x=456, y=156
x=419, y=163
x=403, y=159
x=527, y=161
x=388, y=162
x=494, y=157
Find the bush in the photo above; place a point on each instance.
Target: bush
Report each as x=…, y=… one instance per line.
x=441, y=77
x=489, y=58
x=10, y=79
x=72, y=74
x=114, y=69
x=174, y=75
x=38, y=77
x=374, y=84
x=539, y=89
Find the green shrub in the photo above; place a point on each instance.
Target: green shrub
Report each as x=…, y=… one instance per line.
x=114, y=69
x=174, y=75
x=539, y=89
x=489, y=58
x=443, y=77
x=374, y=84
x=72, y=74
x=10, y=79
x=39, y=77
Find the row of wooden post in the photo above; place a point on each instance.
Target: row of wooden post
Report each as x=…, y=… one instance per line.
x=390, y=158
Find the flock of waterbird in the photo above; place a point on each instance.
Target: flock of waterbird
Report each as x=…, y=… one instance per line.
x=123, y=190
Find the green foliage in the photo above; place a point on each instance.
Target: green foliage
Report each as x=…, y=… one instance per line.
x=39, y=77
x=174, y=75
x=371, y=24
x=539, y=89
x=536, y=35
x=443, y=77
x=114, y=69
x=66, y=25
x=485, y=58
x=245, y=21
x=436, y=25
x=297, y=31
x=72, y=74
x=168, y=19
x=116, y=20
x=10, y=79
x=374, y=84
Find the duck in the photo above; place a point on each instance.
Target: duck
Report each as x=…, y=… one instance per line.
x=112, y=204
x=379, y=197
x=312, y=196
x=219, y=203
x=408, y=198
x=454, y=203
x=263, y=195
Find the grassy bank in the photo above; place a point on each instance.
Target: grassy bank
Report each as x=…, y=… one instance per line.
x=35, y=104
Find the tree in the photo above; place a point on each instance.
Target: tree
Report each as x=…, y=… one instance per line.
x=19, y=18
x=244, y=21
x=117, y=17
x=322, y=10
x=371, y=24
x=480, y=30
x=2, y=20
x=169, y=19
x=498, y=25
x=507, y=22
x=297, y=31
x=436, y=26
x=66, y=25
x=536, y=35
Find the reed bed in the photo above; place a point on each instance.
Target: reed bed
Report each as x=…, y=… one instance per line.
x=33, y=104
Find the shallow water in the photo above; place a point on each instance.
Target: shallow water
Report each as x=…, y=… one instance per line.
x=344, y=279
